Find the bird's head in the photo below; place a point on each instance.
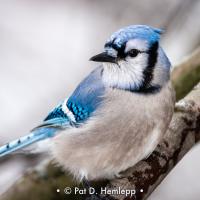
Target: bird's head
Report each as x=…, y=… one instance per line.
x=133, y=60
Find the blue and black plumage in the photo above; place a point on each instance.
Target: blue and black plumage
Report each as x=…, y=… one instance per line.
x=34, y=136
x=81, y=104
x=117, y=115
x=87, y=96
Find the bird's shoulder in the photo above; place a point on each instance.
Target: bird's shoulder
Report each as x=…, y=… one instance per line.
x=82, y=103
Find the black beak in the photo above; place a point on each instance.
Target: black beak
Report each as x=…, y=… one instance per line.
x=104, y=57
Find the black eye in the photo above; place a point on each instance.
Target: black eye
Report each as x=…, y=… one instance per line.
x=133, y=52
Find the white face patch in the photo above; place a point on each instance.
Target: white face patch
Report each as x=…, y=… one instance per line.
x=141, y=45
x=128, y=74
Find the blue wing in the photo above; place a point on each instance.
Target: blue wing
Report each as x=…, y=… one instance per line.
x=88, y=96
x=82, y=103
x=57, y=118
x=72, y=112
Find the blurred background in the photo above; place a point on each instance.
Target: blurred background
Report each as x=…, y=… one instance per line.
x=44, y=51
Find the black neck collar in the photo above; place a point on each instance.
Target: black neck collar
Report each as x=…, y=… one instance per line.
x=152, y=89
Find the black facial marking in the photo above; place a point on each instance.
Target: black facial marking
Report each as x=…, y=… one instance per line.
x=120, y=50
x=153, y=89
x=148, y=72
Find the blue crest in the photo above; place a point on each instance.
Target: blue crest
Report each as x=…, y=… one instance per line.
x=119, y=38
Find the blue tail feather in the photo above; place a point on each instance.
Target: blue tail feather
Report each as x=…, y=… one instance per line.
x=36, y=135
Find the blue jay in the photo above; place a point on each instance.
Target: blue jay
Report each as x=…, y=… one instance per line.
x=117, y=115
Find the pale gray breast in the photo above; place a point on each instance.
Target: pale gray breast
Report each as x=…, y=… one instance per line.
x=129, y=119
x=125, y=129
x=127, y=111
